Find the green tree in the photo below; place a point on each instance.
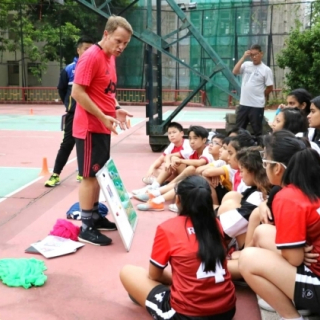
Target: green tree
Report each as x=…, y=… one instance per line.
x=35, y=38
x=46, y=31
x=301, y=55
x=85, y=22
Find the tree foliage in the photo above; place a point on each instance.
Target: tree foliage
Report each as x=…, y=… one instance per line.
x=43, y=30
x=301, y=55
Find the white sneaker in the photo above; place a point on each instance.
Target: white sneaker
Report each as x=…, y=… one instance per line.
x=144, y=197
x=173, y=207
x=266, y=306
x=142, y=190
x=148, y=180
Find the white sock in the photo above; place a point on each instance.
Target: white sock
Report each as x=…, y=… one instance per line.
x=159, y=200
x=155, y=192
x=292, y=318
x=155, y=185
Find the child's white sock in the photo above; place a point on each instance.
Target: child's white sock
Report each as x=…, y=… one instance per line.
x=155, y=192
x=158, y=200
x=292, y=318
x=155, y=185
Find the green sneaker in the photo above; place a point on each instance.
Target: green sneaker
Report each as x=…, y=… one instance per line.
x=53, y=181
x=79, y=178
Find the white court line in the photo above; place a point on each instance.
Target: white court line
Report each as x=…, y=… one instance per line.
x=35, y=180
x=29, y=130
x=21, y=188
x=30, y=183
x=71, y=160
x=26, y=136
x=50, y=169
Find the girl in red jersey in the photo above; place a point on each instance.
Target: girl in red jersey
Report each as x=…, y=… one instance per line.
x=276, y=270
x=192, y=242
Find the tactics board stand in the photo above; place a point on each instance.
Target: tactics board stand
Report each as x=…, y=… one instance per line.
x=118, y=202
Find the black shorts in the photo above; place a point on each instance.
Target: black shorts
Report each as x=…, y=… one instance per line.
x=307, y=290
x=92, y=153
x=221, y=191
x=158, y=305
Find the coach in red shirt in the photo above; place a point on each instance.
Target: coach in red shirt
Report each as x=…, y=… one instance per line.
x=95, y=118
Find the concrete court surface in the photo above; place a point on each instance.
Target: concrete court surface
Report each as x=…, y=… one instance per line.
x=84, y=285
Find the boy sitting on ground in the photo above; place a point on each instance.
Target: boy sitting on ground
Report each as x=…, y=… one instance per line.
x=219, y=159
x=231, y=171
x=220, y=184
x=214, y=149
x=177, y=143
x=199, y=156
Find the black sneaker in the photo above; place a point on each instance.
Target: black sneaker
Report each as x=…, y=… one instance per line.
x=105, y=224
x=93, y=236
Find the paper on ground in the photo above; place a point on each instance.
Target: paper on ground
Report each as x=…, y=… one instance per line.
x=53, y=246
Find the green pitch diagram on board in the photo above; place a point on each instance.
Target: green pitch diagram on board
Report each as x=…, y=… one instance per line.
x=122, y=192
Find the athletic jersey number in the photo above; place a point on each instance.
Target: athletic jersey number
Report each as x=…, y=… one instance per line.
x=218, y=274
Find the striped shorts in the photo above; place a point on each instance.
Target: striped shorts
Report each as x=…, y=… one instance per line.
x=307, y=290
x=92, y=153
x=158, y=305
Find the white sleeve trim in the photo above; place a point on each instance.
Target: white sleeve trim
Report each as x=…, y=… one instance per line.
x=158, y=264
x=291, y=244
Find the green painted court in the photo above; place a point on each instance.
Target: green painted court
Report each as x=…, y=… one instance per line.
x=53, y=123
x=15, y=178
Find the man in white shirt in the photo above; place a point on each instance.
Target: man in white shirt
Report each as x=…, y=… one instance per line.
x=257, y=83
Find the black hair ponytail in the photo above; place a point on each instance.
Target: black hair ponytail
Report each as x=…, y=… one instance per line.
x=196, y=203
x=303, y=163
x=303, y=171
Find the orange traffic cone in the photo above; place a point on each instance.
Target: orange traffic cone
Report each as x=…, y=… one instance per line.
x=128, y=124
x=31, y=111
x=44, y=171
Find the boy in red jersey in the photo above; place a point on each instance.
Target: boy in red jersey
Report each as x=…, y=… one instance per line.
x=177, y=143
x=201, y=286
x=182, y=164
x=95, y=118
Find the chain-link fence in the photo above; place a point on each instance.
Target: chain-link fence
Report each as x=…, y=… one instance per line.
x=44, y=34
